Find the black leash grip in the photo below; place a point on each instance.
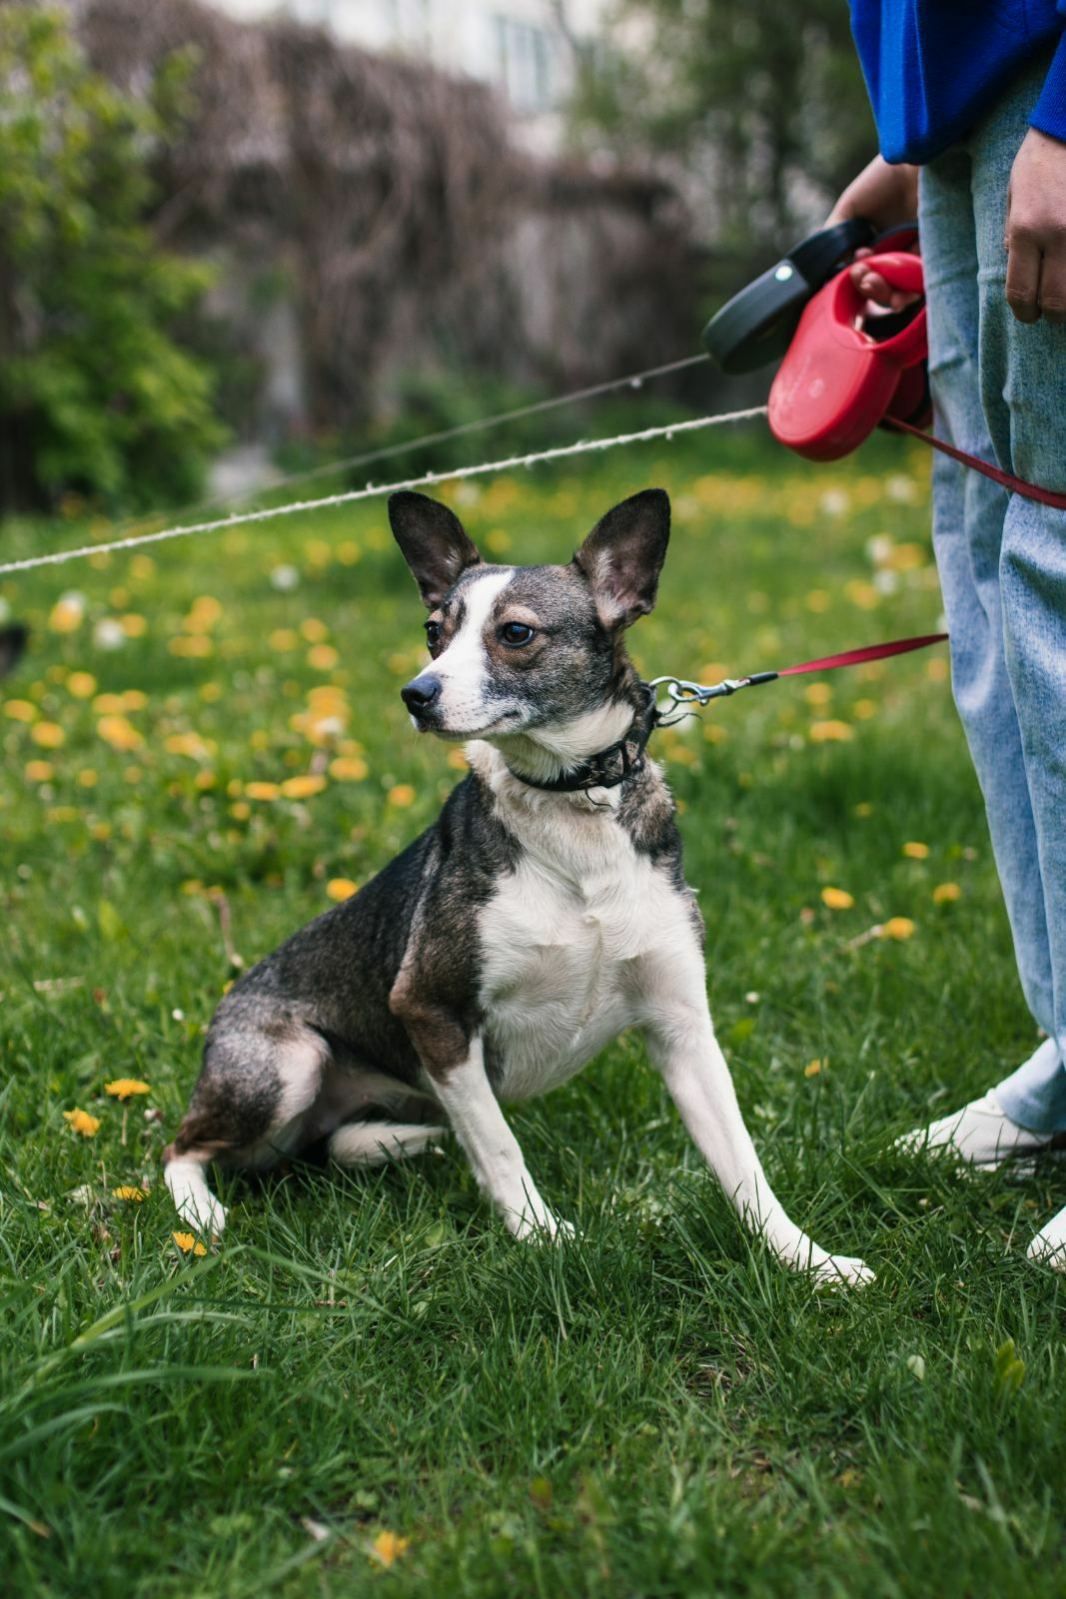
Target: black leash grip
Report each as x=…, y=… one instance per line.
x=756, y=326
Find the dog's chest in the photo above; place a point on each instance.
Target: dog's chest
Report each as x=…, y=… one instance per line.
x=562, y=943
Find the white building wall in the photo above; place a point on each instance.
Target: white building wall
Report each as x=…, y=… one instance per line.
x=523, y=47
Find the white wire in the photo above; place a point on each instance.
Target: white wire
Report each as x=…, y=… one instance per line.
x=373, y=491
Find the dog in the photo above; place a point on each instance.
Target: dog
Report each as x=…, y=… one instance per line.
x=542, y=914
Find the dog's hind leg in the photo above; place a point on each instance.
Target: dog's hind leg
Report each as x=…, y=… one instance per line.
x=258, y=1082
x=375, y=1143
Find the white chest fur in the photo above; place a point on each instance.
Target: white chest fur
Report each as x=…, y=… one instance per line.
x=563, y=940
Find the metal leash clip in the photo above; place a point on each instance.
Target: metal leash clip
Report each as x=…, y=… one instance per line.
x=682, y=693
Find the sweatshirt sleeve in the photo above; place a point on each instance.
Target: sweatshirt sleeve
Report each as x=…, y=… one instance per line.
x=1049, y=113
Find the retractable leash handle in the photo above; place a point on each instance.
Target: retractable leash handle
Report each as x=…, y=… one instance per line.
x=839, y=379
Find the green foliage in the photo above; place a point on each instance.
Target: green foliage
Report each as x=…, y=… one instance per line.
x=95, y=394
x=762, y=101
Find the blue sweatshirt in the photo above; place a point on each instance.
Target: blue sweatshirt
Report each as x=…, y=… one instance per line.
x=934, y=67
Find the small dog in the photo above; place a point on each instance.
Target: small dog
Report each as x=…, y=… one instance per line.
x=542, y=914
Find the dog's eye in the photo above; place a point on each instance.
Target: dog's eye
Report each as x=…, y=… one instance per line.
x=432, y=634
x=515, y=634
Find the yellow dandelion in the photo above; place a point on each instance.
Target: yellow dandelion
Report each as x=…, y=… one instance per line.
x=937, y=670
x=119, y=733
x=101, y=831
x=49, y=735
x=20, y=710
x=206, y=609
x=389, y=1546
x=192, y=646
x=864, y=709
x=133, y=625
x=915, y=851
x=837, y=899
x=945, y=893
x=142, y=566
x=402, y=795
x=205, y=779
x=191, y=744
x=818, y=694
x=81, y=1122
x=458, y=760
x=313, y=630
x=262, y=791
x=303, y=786
x=109, y=705
x=210, y=692
x=240, y=811
x=66, y=616
x=348, y=553
x=126, y=1088
x=898, y=927
x=135, y=1196
x=39, y=771
x=864, y=595
x=339, y=888
x=812, y=1068
x=188, y=1244
x=348, y=769
x=283, y=639
x=322, y=657
x=830, y=732
x=82, y=685
x=133, y=699
x=818, y=600
x=87, y=778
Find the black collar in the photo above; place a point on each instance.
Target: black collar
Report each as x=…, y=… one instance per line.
x=610, y=767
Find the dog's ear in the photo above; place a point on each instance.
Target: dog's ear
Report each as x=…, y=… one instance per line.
x=623, y=556
x=433, y=542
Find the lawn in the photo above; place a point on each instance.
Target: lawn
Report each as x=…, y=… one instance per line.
x=367, y=1387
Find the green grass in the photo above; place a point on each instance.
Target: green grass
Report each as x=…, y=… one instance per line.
x=656, y=1410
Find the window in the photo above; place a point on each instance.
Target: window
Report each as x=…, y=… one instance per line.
x=527, y=59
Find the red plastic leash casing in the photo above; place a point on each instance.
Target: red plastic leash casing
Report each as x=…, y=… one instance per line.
x=837, y=381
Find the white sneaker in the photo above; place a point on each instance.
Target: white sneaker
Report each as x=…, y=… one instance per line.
x=982, y=1134
x=1049, y=1245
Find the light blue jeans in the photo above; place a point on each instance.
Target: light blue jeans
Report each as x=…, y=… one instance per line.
x=999, y=390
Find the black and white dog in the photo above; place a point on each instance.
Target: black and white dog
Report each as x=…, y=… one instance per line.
x=542, y=914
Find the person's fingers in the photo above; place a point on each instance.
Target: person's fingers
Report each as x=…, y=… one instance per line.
x=1023, y=274
x=1052, y=300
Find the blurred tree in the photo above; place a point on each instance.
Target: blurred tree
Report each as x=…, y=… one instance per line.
x=760, y=102
x=96, y=397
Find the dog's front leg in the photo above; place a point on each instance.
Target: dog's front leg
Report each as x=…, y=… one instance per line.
x=455, y=1065
x=682, y=1044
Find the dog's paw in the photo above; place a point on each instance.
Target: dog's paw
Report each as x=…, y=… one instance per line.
x=204, y=1214
x=843, y=1271
x=548, y=1229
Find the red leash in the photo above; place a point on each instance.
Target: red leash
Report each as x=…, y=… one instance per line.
x=683, y=693
x=1006, y=480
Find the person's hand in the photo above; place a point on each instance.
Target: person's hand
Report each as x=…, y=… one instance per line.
x=884, y=194
x=1036, y=230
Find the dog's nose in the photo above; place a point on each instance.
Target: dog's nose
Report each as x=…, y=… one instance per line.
x=420, y=694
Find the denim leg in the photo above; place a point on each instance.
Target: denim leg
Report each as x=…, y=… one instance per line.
x=968, y=521
x=1023, y=392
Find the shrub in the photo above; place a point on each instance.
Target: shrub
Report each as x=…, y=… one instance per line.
x=96, y=396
